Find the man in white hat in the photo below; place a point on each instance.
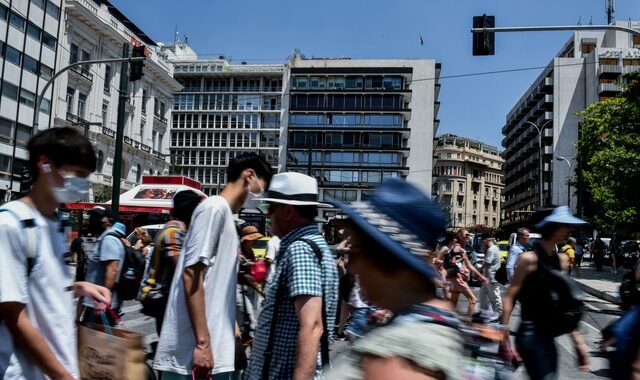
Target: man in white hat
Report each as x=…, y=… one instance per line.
x=291, y=340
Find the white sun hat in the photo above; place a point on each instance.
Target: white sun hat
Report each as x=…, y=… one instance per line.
x=294, y=189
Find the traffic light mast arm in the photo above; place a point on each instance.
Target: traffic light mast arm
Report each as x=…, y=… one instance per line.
x=556, y=27
x=36, y=111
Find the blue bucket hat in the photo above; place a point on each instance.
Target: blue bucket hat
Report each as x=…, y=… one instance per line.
x=120, y=228
x=402, y=220
x=560, y=215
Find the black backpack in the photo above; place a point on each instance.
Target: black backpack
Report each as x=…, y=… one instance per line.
x=561, y=299
x=629, y=290
x=131, y=271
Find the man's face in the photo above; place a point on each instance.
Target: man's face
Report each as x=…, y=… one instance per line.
x=277, y=212
x=463, y=237
x=524, y=238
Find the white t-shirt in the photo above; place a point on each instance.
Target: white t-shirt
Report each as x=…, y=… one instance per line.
x=47, y=292
x=212, y=239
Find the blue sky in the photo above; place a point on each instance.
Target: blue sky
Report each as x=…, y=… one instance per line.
x=476, y=106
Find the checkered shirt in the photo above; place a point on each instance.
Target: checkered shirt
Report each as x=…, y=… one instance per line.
x=296, y=261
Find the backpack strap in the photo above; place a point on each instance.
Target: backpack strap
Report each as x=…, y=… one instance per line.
x=324, y=339
x=24, y=216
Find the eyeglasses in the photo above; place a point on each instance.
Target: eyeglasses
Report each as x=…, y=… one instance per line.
x=271, y=207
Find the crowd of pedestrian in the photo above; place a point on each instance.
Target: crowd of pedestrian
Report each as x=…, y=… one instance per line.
x=224, y=312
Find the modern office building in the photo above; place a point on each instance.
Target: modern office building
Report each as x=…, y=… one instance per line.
x=223, y=110
x=87, y=96
x=588, y=68
x=468, y=181
x=29, y=51
x=359, y=122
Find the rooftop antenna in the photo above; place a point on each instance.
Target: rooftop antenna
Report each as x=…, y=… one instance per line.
x=591, y=20
x=175, y=36
x=186, y=39
x=609, y=6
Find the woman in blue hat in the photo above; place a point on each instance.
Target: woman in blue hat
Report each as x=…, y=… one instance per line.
x=537, y=280
x=393, y=235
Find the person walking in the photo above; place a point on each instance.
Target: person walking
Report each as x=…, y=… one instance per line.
x=569, y=253
x=462, y=269
x=392, y=232
x=199, y=336
x=99, y=221
x=532, y=287
x=519, y=246
x=249, y=287
x=155, y=289
x=490, y=292
x=37, y=317
x=292, y=337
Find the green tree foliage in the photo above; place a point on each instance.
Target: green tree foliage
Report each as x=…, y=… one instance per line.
x=609, y=152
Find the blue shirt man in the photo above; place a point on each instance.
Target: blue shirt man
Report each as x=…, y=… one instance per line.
x=516, y=249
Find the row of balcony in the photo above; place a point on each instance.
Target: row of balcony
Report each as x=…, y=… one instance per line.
x=529, y=100
x=83, y=71
x=544, y=107
x=136, y=144
x=615, y=70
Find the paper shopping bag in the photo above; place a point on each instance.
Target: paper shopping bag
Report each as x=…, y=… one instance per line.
x=116, y=356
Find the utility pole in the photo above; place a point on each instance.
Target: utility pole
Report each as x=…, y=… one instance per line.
x=560, y=158
x=123, y=97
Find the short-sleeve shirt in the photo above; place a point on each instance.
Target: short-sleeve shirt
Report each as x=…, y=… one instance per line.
x=491, y=263
x=212, y=240
x=172, y=238
x=47, y=293
x=108, y=248
x=303, y=275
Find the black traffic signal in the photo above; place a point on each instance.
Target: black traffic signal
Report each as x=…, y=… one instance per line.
x=484, y=42
x=135, y=68
x=25, y=180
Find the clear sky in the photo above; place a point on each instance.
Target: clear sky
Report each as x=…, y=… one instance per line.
x=474, y=106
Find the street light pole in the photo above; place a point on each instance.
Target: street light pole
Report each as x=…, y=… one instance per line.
x=539, y=130
x=560, y=158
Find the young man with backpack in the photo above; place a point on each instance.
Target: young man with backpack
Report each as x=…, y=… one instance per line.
x=154, y=291
x=105, y=263
x=37, y=319
x=551, y=304
x=199, y=335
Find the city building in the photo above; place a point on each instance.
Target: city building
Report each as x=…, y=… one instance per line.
x=359, y=122
x=468, y=181
x=588, y=68
x=224, y=110
x=87, y=96
x=29, y=52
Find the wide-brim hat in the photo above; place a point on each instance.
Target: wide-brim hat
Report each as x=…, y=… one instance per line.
x=250, y=233
x=403, y=220
x=294, y=189
x=560, y=215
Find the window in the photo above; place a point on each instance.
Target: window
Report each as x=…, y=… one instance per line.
x=23, y=134
x=13, y=55
x=45, y=106
x=460, y=201
x=10, y=90
x=38, y=3
x=27, y=98
x=30, y=64
x=160, y=138
x=6, y=129
x=82, y=105
x=4, y=12
x=33, y=31
x=86, y=56
x=49, y=40
x=475, y=205
x=71, y=92
x=74, y=53
x=448, y=186
x=17, y=21
x=105, y=114
x=461, y=187
x=53, y=10
x=107, y=81
x=100, y=162
x=145, y=99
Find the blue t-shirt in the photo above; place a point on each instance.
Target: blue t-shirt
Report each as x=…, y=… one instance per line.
x=107, y=249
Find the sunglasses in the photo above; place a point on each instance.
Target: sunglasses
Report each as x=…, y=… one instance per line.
x=270, y=208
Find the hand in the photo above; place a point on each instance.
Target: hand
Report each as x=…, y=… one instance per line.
x=583, y=358
x=241, y=355
x=202, y=360
x=100, y=295
x=485, y=280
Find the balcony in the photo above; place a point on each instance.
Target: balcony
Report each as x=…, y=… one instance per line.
x=76, y=119
x=83, y=73
x=161, y=119
x=109, y=132
x=609, y=71
x=630, y=69
x=609, y=88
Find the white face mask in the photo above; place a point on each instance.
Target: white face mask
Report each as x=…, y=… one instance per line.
x=73, y=190
x=251, y=202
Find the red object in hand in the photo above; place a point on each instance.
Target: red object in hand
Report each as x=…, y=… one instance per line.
x=259, y=271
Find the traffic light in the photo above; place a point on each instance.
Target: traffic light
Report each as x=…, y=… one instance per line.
x=484, y=42
x=135, y=70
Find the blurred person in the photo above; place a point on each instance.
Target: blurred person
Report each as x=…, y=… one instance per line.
x=579, y=254
x=568, y=250
x=292, y=338
x=37, y=321
x=143, y=240
x=519, y=246
x=200, y=337
x=490, y=291
x=460, y=278
x=99, y=220
x=391, y=234
x=531, y=287
x=444, y=263
x=597, y=252
x=248, y=287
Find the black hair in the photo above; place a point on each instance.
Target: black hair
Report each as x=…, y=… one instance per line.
x=184, y=204
x=249, y=161
x=63, y=146
x=307, y=212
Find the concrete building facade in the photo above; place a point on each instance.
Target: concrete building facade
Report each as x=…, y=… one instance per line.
x=468, y=181
x=588, y=68
x=223, y=110
x=87, y=96
x=359, y=122
x=29, y=52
